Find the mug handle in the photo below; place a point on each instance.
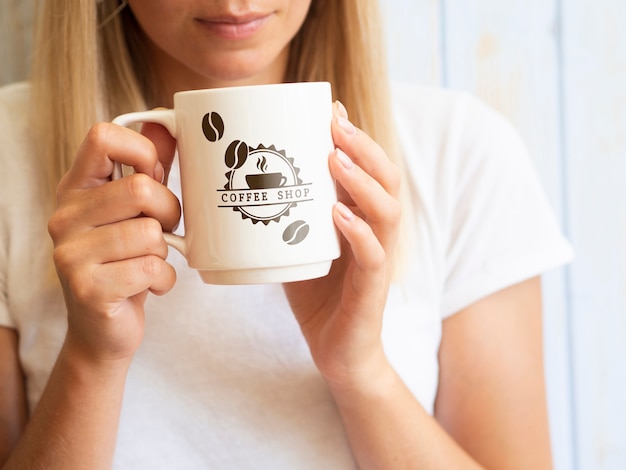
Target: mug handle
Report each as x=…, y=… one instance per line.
x=167, y=118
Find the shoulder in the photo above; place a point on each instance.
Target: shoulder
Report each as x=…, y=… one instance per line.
x=14, y=99
x=478, y=191
x=14, y=116
x=438, y=116
x=15, y=112
x=450, y=138
x=17, y=154
x=439, y=103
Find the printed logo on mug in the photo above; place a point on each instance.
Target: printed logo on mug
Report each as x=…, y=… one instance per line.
x=257, y=194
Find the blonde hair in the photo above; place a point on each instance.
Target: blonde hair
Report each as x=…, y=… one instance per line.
x=85, y=71
x=76, y=81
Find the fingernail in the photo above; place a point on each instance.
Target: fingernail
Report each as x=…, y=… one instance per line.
x=159, y=173
x=344, y=160
x=346, y=125
x=341, y=110
x=343, y=210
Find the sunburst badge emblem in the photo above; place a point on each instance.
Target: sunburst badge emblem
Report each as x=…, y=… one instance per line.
x=262, y=183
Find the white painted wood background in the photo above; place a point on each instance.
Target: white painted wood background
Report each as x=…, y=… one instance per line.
x=557, y=69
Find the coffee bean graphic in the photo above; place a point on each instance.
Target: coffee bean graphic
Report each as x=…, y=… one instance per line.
x=296, y=232
x=236, y=154
x=213, y=126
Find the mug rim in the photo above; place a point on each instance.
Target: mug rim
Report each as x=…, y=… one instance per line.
x=252, y=88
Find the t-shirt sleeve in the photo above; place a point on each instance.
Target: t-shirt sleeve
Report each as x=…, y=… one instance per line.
x=501, y=227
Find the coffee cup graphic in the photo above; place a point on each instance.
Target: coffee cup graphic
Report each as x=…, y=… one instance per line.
x=265, y=180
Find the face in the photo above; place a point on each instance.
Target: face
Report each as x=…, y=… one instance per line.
x=204, y=44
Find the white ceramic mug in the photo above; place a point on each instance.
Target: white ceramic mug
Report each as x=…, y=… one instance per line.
x=257, y=194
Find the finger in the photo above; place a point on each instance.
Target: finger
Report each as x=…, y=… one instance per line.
x=342, y=194
x=120, y=280
x=164, y=143
x=365, y=152
x=129, y=239
x=369, y=255
x=118, y=200
x=379, y=208
x=104, y=144
x=136, y=275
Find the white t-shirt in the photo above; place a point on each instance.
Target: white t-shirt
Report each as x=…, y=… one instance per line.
x=223, y=378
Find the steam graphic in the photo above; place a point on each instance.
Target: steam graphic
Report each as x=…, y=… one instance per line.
x=261, y=164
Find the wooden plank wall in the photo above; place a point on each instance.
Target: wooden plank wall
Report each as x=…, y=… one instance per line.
x=557, y=70
x=594, y=110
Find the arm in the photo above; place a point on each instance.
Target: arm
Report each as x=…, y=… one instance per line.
x=13, y=408
x=491, y=402
x=491, y=397
x=388, y=428
x=75, y=422
x=109, y=254
x=81, y=404
x=341, y=318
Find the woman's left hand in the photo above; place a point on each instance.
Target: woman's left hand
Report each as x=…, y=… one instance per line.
x=341, y=314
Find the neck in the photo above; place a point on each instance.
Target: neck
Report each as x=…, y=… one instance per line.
x=172, y=76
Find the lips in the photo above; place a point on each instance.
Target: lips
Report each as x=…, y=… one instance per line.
x=234, y=27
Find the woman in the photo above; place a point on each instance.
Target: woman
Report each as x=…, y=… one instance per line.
x=421, y=348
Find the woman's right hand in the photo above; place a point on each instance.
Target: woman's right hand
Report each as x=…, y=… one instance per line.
x=109, y=249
